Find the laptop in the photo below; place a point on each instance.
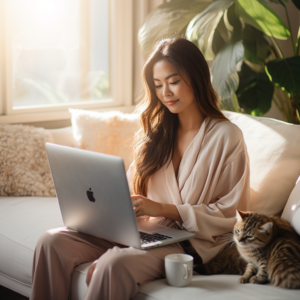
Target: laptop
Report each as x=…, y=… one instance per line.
x=94, y=198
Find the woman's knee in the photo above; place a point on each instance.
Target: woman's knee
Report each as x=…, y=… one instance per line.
x=117, y=259
x=51, y=239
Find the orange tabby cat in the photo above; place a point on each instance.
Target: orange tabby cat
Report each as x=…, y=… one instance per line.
x=271, y=248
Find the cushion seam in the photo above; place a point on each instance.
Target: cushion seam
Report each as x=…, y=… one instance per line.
x=16, y=242
x=15, y=280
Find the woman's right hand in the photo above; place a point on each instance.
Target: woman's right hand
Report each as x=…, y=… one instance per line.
x=90, y=272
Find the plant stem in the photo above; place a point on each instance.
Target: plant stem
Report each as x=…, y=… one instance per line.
x=277, y=105
x=297, y=112
x=287, y=16
x=289, y=106
x=276, y=46
x=283, y=108
x=298, y=42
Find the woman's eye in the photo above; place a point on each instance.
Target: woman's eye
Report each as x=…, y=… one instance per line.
x=158, y=86
x=175, y=82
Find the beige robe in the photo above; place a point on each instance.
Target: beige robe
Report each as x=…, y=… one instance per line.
x=213, y=182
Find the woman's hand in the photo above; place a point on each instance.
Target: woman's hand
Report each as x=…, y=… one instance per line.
x=90, y=272
x=145, y=207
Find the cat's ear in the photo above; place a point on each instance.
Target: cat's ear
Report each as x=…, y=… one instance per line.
x=241, y=215
x=266, y=227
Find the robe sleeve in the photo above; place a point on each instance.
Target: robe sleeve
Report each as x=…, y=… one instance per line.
x=209, y=220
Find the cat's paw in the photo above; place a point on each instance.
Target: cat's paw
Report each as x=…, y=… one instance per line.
x=243, y=279
x=254, y=279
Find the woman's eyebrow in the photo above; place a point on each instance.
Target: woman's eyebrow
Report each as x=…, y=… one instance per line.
x=175, y=74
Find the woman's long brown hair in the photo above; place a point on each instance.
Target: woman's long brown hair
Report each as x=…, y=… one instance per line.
x=154, y=141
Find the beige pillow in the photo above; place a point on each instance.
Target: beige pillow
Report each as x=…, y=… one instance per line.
x=106, y=132
x=274, y=151
x=24, y=169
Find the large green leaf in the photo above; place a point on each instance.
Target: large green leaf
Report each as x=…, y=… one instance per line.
x=202, y=27
x=256, y=46
x=259, y=15
x=255, y=91
x=220, y=37
x=167, y=20
x=297, y=3
x=285, y=73
x=230, y=104
x=224, y=75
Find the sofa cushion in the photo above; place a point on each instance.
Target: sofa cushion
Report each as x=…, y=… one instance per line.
x=24, y=166
x=214, y=287
x=106, y=132
x=22, y=221
x=274, y=151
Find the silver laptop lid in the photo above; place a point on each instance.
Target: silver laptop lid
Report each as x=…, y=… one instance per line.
x=93, y=194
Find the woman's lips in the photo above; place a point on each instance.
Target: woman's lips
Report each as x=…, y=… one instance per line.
x=171, y=102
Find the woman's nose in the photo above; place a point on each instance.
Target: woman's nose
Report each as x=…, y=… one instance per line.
x=167, y=91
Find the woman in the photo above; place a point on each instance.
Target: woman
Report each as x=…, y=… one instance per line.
x=190, y=170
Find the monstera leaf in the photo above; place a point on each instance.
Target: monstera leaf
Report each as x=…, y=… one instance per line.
x=259, y=15
x=230, y=104
x=202, y=27
x=255, y=91
x=167, y=20
x=256, y=46
x=224, y=74
x=285, y=74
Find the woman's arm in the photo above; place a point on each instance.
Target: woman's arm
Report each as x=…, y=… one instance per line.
x=145, y=207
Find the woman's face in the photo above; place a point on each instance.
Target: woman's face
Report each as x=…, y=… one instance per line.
x=171, y=89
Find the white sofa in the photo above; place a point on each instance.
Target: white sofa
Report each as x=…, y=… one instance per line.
x=273, y=176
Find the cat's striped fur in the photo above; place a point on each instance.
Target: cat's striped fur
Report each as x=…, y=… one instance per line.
x=266, y=249
x=271, y=248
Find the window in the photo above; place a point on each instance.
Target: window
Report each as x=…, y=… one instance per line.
x=57, y=54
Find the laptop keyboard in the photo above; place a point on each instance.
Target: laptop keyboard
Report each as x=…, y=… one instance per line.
x=147, y=238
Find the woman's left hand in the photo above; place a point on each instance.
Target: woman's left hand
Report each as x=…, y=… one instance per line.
x=145, y=207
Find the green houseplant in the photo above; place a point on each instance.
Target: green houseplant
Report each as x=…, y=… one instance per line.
x=249, y=70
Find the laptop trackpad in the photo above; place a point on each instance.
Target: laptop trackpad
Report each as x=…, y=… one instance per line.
x=149, y=227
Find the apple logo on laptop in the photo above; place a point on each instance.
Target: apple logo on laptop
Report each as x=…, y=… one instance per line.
x=90, y=195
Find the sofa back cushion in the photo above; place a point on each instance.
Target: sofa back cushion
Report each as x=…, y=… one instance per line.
x=63, y=136
x=273, y=147
x=274, y=152
x=107, y=132
x=23, y=161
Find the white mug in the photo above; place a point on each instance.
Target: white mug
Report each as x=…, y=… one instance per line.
x=179, y=269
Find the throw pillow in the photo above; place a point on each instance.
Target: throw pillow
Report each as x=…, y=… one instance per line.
x=24, y=169
x=274, y=151
x=106, y=132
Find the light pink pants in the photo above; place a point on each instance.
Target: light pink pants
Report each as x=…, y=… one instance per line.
x=118, y=274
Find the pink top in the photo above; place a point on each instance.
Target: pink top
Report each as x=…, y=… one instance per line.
x=213, y=182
